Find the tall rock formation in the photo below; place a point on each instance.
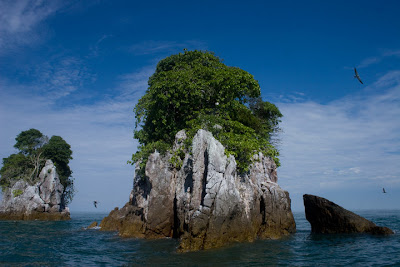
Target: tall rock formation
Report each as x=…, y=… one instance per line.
x=42, y=201
x=205, y=203
x=327, y=217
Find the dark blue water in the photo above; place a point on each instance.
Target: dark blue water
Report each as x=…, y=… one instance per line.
x=69, y=244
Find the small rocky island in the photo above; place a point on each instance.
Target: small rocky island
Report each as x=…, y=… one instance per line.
x=41, y=201
x=205, y=203
x=329, y=218
x=36, y=182
x=206, y=164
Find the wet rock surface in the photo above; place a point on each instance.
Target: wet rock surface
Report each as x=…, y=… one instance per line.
x=329, y=218
x=92, y=225
x=205, y=203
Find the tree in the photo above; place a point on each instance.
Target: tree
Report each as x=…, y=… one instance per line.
x=15, y=167
x=34, y=149
x=29, y=141
x=186, y=85
x=194, y=90
x=59, y=151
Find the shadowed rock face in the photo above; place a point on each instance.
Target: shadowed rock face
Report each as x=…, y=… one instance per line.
x=205, y=203
x=328, y=217
x=41, y=201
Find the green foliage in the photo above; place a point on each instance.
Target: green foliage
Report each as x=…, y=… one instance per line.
x=17, y=192
x=238, y=139
x=144, y=152
x=59, y=151
x=29, y=141
x=177, y=158
x=267, y=117
x=184, y=86
x=194, y=90
x=30, y=144
x=34, y=148
x=15, y=167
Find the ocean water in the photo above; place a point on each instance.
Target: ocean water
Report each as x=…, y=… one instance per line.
x=38, y=243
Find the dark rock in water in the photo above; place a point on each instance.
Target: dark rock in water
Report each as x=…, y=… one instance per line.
x=328, y=217
x=92, y=225
x=40, y=201
x=205, y=203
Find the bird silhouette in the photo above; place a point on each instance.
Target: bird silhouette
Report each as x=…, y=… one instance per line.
x=95, y=203
x=357, y=76
x=383, y=190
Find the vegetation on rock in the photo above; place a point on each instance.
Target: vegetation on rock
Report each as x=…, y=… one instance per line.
x=17, y=192
x=194, y=90
x=34, y=149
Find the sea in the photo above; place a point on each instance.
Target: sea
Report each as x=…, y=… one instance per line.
x=69, y=243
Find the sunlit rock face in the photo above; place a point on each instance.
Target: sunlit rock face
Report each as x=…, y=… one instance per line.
x=327, y=217
x=205, y=203
x=41, y=201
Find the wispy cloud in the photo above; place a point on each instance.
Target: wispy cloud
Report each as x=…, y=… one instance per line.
x=20, y=19
x=156, y=47
x=348, y=143
x=94, y=49
x=369, y=61
x=135, y=84
x=61, y=76
x=55, y=78
x=376, y=59
x=392, y=53
x=294, y=97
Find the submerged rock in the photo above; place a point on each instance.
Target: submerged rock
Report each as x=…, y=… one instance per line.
x=328, y=217
x=205, y=203
x=41, y=201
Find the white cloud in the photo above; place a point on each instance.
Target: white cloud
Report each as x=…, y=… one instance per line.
x=19, y=20
x=350, y=143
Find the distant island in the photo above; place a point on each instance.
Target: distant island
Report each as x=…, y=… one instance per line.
x=37, y=181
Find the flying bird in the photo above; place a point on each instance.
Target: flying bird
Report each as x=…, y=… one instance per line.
x=383, y=190
x=95, y=203
x=357, y=76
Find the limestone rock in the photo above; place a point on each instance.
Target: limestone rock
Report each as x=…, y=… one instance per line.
x=41, y=201
x=205, y=203
x=328, y=217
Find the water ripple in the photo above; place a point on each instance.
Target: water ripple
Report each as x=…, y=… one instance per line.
x=69, y=244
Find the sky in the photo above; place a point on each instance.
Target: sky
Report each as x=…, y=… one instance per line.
x=77, y=68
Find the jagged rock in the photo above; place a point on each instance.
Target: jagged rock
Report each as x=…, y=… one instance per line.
x=205, y=203
x=92, y=225
x=328, y=217
x=41, y=201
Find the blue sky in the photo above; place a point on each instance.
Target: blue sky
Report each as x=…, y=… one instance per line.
x=76, y=69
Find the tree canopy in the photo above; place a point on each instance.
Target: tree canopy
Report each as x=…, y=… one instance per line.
x=34, y=149
x=194, y=90
x=29, y=141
